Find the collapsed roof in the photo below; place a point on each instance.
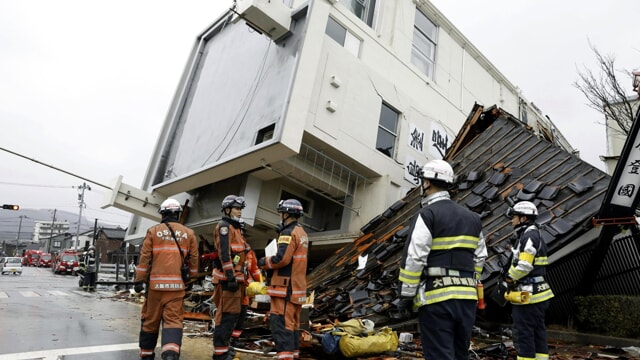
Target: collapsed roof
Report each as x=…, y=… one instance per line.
x=499, y=161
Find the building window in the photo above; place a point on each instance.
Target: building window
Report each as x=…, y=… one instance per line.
x=265, y=134
x=56, y=244
x=423, y=53
x=387, y=131
x=363, y=9
x=343, y=37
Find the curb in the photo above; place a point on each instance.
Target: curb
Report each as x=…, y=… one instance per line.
x=591, y=339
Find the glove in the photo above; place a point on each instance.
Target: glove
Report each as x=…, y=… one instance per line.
x=232, y=284
x=511, y=284
x=138, y=287
x=405, y=304
x=262, y=262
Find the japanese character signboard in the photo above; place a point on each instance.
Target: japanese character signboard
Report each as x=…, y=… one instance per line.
x=627, y=185
x=411, y=168
x=416, y=138
x=439, y=141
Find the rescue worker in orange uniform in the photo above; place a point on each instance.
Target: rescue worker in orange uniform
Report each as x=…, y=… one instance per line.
x=252, y=273
x=288, y=284
x=229, y=277
x=159, y=269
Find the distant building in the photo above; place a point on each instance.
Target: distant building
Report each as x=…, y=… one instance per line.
x=338, y=109
x=616, y=138
x=45, y=231
x=109, y=241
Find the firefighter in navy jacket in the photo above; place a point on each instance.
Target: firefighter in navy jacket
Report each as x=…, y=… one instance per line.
x=527, y=274
x=441, y=263
x=229, y=277
x=90, y=266
x=288, y=284
x=159, y=268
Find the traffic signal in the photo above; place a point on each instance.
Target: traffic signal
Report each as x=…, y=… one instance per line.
x=11, y=207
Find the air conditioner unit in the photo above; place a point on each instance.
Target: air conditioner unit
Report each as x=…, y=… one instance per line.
x=270, y=17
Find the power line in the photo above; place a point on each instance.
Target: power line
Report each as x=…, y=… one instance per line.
x=145, y=201
x=37, y=185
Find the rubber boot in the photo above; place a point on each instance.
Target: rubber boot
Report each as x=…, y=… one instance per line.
x=170, y=355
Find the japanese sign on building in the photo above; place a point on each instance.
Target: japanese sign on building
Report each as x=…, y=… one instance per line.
x=416, y=138
x=439, y=141
x=411, y=168
x=628, y=184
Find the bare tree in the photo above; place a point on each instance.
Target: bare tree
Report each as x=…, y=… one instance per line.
x=604, y=93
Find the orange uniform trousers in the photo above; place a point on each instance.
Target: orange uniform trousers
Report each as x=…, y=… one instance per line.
x=284, y=320
x=164, y=307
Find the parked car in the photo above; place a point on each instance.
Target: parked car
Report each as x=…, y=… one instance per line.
x=45, y=260
x=65, y=262
x=12, y=265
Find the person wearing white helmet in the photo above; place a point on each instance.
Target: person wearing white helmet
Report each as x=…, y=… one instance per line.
x=89, y=261
x=441, y=263
x=526, y=273
x=165, y=248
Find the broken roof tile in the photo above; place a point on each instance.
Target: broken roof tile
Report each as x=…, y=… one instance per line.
x=534, y=187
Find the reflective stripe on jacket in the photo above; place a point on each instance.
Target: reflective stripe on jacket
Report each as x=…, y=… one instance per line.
x=160, y=259
x=529, y=266
x=232, y=248
x=446, y=236
x=289, y=279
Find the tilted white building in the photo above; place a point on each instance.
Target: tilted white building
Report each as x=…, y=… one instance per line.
x=335, y=103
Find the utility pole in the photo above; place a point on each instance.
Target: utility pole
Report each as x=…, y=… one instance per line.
x=51, y=235
x=19, y=229
x=81, y=203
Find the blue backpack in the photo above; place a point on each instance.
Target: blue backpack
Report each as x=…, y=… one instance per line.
x=330, y=343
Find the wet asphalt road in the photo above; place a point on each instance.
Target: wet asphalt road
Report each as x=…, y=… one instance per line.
x=47, y=316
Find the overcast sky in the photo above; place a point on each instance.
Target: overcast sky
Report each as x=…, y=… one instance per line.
x=85, y=85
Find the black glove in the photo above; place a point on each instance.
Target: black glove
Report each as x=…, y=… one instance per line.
x=138, y=287
x=262, y=262
x=232, y=284
x=405, y=304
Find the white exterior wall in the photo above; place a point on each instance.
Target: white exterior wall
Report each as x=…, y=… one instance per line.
x=383, y=72
x=616, y=139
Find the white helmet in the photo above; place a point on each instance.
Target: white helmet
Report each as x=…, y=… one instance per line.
x=524, y=208
x=170, y=205
x=438, y=170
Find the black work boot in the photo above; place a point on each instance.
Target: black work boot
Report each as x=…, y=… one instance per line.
x=148, y=357
x=170, y=355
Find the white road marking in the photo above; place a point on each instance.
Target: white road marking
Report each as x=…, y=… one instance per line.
x=57, y=293
x=4, y=295
x=29, y=293
x=54, y=354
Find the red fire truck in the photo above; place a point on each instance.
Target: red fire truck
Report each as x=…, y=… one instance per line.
x=65, y=262
x=31, y=257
